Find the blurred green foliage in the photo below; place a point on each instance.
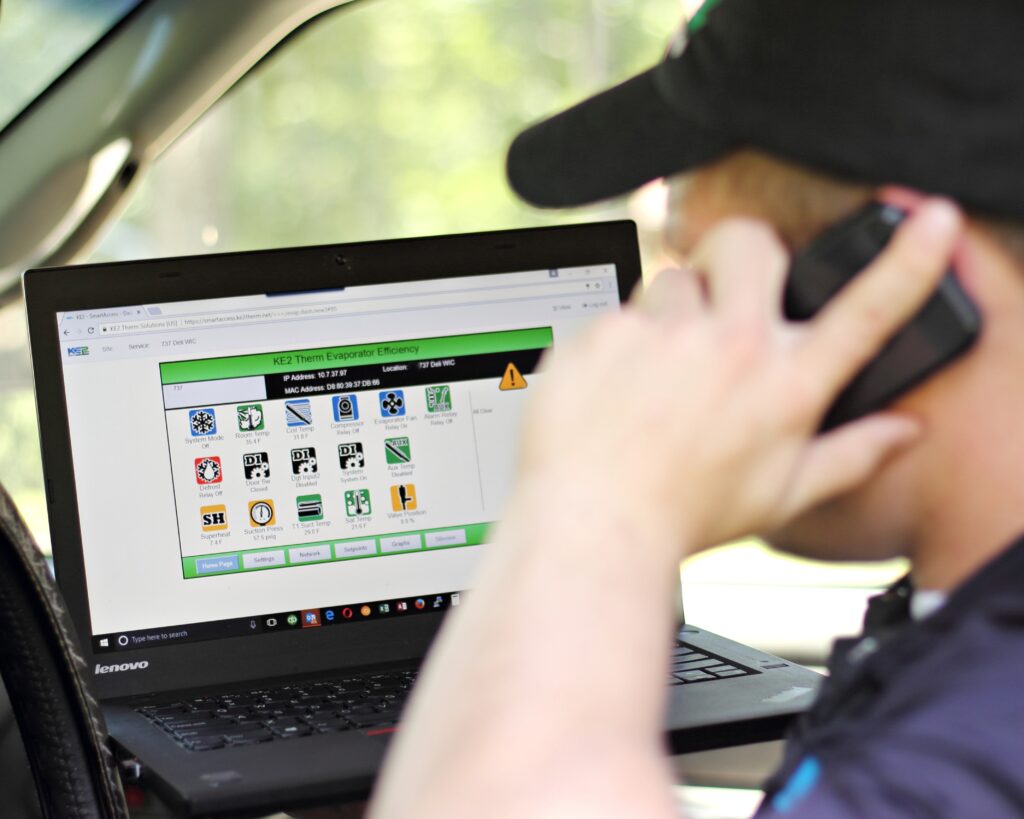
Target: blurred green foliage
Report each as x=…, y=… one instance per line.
x=40, y=38
x=19, y=442
x=387, y=119
x=20, y=467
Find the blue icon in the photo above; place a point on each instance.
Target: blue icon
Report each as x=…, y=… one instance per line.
x=392, y=403
x=329, y=615
x=346, y=408
x=298, y=413
x=202, y=422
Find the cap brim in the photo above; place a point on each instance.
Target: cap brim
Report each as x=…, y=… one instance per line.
x=608, y=145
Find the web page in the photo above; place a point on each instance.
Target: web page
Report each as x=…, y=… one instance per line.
x=268, y=462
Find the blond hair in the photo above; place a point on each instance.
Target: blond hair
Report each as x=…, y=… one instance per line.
x=800, y=202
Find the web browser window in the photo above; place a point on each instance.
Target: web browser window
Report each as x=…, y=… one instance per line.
x=307, y=459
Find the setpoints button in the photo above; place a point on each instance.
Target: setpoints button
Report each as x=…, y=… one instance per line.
x=206, y=565
x=403, y=543
x=455, y=537
x=261, y=560
x=355, y=548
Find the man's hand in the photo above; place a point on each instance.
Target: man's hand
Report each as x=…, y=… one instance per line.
x=697, y=412
x=699, y=403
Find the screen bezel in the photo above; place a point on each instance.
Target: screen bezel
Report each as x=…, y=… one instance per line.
x=51, y=291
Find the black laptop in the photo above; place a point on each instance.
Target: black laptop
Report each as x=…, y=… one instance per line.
x=270, y=474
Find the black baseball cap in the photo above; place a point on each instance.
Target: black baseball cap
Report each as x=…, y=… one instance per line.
x=923, y=93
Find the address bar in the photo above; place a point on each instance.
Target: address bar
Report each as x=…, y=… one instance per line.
x=404, y=303
x=216, y=319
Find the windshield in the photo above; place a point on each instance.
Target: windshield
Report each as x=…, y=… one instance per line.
x=39, y=39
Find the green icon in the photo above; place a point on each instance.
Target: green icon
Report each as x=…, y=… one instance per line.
x=357, y=503
x=310, y=507
x=250, y=417
x=439, y=399
x=397, y=450
x=293, y=619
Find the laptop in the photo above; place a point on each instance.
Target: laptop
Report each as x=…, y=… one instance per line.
x=270, y=474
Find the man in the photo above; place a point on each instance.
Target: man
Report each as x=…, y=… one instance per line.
x=776, y=118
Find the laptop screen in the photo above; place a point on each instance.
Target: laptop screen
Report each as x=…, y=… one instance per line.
x=309, y=460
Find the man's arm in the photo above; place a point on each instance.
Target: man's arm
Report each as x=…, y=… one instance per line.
x=544, y=694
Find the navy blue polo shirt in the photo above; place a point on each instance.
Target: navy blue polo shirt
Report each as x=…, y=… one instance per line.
x=919, y=718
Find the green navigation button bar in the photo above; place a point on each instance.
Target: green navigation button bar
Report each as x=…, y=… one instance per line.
x=385, y=352
x=251, y=560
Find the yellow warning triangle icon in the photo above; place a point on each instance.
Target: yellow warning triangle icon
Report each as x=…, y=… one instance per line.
x=513, y=379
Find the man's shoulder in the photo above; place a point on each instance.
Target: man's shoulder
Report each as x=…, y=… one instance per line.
x=942, y=742
x=951, y=684
x=922, y=719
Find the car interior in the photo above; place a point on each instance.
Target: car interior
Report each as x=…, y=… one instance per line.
x=142, y=129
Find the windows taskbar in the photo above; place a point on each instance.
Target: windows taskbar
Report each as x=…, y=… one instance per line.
x=269, y=623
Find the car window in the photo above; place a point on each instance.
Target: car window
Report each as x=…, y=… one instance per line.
x=373, y=124
x=41, y=38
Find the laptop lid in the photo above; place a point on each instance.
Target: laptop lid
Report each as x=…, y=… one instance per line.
x=283, y=462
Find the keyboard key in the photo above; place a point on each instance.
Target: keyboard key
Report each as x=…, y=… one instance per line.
x=695, y=664
x=732, y=672
x=168, y=711
x=292, y=731
x=185, y=724
x=206, y=744
x=372, y=721
x=693, y=676
x=677, y=661
x=327, y=726
x=215, y=730
x=254, y=735
x=233, y=711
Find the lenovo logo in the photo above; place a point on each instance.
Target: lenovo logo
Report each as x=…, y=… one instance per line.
x=113, y=669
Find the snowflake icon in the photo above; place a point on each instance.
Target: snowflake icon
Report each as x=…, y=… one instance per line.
x=202, y=422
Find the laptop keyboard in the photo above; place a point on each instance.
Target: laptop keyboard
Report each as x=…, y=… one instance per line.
x=691, y=665
x=367, y=702
x=371, y=701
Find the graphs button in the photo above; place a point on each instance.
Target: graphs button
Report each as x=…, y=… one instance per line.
x=402, y=543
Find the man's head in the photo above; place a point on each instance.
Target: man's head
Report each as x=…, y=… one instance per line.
x=888, y=515
x=767, y=108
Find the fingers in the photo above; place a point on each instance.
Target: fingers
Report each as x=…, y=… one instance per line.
x=674, y=294
x=745, y=264
x=744, y=267
x=855, y=325
x=843, y=459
